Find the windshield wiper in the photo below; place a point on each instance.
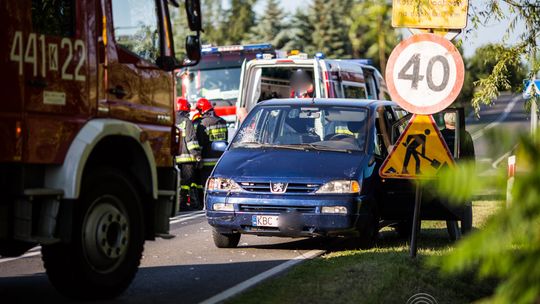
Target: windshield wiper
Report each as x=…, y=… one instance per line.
x=325, y=148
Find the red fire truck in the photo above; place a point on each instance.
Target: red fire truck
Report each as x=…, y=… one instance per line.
x=217, y=76
x=87, y=134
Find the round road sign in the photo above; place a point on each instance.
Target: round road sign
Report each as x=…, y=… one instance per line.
x=425, y=74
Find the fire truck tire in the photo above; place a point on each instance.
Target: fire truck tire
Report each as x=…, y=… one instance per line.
x=107, y=240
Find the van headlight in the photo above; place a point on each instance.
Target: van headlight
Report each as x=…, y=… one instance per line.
x=334, y=210
x=339, y=186
x=223, y=185
x=223, y=207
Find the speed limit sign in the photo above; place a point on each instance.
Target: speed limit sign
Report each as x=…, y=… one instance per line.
x=425, y=74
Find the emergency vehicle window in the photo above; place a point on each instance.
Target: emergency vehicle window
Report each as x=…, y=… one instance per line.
x=136, y=27
x=54, y=17
x=354, y=92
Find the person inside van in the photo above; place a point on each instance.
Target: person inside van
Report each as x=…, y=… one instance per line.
x=301, y=84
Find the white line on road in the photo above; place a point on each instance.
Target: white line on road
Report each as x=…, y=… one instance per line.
x=27, y=255
x=224, y=295
x=509, y=107
x=187, y=218
x=174, y=220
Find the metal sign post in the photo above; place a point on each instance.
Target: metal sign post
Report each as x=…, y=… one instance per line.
x=424, y=74
x=416, y=219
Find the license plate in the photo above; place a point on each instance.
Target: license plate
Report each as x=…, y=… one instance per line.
x=265, y=220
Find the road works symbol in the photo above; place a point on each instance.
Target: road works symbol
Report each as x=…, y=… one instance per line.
x=420, y=151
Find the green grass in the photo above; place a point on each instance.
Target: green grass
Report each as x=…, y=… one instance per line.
x=384, y=274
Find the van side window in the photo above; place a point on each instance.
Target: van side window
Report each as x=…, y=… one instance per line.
x=54, y=17
x=354, y=91
x=136, y=27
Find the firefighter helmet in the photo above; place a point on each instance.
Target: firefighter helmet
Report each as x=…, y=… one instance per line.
x=182, y=105
x=203, y=105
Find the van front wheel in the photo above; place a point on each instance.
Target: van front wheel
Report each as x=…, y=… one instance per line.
x=225, y=240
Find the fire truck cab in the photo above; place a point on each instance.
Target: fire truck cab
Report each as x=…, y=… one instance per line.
x=267, y=77
x=87, y=134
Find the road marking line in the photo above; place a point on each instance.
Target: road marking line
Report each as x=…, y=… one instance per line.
x=187, y=215
x=26, y=255
x=502, y=117
x=185, y=219
x=175, y=220
x=226, y=294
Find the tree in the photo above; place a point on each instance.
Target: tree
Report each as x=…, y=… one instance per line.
x=239, y=17
x=371, y=32
x=330, y=34
x=526, y=11
x=301, y=32
x=213, y=22
x=271, y=27
x=508, y=246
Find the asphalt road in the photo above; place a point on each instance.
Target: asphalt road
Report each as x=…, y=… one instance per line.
x=189, y=269
x=507, y=114
x=186, y=269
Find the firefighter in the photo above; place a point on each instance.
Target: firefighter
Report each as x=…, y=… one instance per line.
x=210, y=128
x=189, y=158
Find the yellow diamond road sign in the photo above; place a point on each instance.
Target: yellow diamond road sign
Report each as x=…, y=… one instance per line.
x=432, y=14
x=420, y=151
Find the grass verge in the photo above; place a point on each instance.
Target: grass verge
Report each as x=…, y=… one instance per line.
x=384, y=274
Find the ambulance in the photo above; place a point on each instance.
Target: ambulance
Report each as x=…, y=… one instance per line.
x=273, y=75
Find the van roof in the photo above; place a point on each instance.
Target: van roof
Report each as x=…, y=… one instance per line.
x=369, y=103
x=309, y=61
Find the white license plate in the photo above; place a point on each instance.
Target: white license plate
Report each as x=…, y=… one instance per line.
x=265, y=220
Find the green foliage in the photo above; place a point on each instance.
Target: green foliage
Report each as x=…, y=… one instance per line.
x=271, y=27
x=329, y=20
x=371, y=32
x=240, y=17
x=526, y=11
x=508, y=246
x=214, y=18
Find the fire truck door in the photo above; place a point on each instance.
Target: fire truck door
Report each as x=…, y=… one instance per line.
x=136, y=89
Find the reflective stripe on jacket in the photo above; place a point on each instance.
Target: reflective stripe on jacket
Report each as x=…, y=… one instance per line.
x=190, y=149
x=211, y=128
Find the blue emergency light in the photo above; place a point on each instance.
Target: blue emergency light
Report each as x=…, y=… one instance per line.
x=320, y=55
x=236, y=48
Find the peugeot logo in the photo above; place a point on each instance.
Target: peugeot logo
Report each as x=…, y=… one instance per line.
x=278, y=187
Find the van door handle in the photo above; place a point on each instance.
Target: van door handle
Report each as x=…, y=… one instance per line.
x=118, y=91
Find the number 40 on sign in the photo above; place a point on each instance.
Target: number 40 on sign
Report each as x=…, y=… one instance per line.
x=425, y=74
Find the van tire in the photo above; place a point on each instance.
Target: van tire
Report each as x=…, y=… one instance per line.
x=453, y=230
x=225, y=240
x=107, y=241
x=467, y=220
x=368, y=234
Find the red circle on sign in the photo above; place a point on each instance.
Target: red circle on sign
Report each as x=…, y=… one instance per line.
x=456, y=89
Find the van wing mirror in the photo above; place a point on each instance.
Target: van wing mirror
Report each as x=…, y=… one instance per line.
x=193, y=11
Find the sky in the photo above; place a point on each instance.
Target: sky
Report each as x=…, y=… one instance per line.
x=492, y=33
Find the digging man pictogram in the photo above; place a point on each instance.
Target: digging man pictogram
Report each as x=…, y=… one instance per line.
x=412, y=144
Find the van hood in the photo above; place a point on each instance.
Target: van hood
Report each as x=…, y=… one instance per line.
x=243, y=164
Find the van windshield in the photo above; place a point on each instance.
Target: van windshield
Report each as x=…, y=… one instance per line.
x=335, y=128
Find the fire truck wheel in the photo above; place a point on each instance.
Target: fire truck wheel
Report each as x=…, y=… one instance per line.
x=107, y=239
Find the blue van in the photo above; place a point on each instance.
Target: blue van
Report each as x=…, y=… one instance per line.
x=309, y=167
